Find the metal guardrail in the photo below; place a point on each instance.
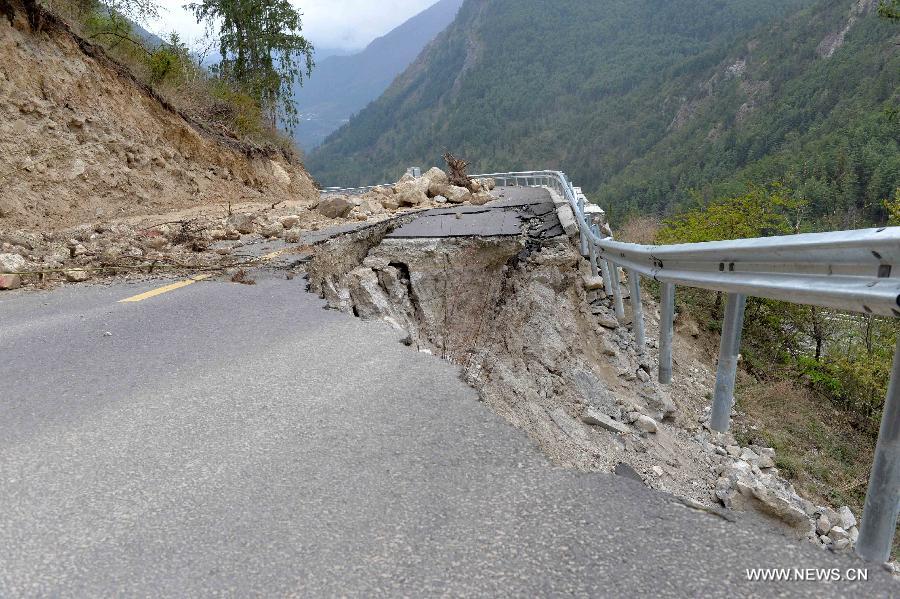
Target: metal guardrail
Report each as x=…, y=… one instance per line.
x=858, y=271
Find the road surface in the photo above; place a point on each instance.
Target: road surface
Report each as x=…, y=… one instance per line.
x=226, y=439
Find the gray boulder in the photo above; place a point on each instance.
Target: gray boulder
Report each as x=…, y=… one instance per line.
x=335, y=206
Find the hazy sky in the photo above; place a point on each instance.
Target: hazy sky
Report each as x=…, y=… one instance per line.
x=344, y=24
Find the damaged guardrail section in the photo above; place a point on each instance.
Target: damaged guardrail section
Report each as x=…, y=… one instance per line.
x=857, y=271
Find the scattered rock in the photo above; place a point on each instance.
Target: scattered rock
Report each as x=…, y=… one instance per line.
x=608, y=322
x=12, y=263
x=410, y=193
x=273, y=229
x=595, y=417
x=334, y=206
x=481, y=198
x=435, y=177
x=823, y=524
x=838, y=534
x=848, y=520
x=487, y=184
x=289, y=222
x=243, y=223
x=454, y=194
x=592, y=283
x=10, y=281
x=76, y=275
x=646, y=424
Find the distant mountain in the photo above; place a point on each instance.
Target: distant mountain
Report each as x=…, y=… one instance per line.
x=650, y=105
x=343, y=85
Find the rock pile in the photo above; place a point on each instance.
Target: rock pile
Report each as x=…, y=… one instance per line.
x=76, y=255
x=749, y=479
x=431, y=190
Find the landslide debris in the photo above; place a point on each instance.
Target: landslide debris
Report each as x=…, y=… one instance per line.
x=201, y=238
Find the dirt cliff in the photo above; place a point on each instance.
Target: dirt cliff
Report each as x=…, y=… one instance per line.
x=81, y=140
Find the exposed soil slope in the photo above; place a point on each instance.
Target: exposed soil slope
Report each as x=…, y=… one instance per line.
x=81, y=140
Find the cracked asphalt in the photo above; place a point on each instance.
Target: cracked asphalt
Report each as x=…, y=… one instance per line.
x=236, y=440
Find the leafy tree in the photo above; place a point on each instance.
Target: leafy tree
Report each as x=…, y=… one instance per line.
x=893, y=209
x=169, y=62
x=262, y=50
x=760, y=212
x=890, y=9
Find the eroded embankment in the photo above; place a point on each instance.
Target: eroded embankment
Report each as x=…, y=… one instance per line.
x=545, y=352
x=81, y=140
x=514, y=313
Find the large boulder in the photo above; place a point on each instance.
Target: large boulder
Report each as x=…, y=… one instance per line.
x=243, y=223
x=272, y=229
x=487, y=184
x=411, y=193
x=12, y=263
x=436, y=176
x=454, y=194
x=480, y=198
x=10, y=281
x=335, y=206
x=289, y=222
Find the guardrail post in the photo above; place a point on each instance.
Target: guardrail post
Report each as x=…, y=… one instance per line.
x=666, y=330
x=616, y=290
x=579, y=218
x=637, y=310
x=729, y=349
x=593, y=251
x=879, y=517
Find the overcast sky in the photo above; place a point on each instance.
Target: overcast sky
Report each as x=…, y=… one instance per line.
x=343, y=24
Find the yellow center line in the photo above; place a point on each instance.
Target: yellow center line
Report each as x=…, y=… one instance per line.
x=159, y=291
x=277, y=253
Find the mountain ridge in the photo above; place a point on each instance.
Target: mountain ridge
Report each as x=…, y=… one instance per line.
x=601, y=95
x=343, y=85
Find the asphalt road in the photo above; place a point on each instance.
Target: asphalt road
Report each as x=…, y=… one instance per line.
x=236, y=440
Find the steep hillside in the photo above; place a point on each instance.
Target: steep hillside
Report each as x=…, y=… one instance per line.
x=340, y=86
x=642, y=101
x=81, y=139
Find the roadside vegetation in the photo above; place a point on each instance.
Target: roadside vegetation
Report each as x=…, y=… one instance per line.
x=814, y=380
x=241, y=82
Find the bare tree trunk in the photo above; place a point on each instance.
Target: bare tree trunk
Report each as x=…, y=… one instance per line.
x=457, y=168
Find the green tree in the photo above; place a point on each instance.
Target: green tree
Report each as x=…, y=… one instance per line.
x=890, y=9
x=893, y=209
x=759, y=212
x=262, y=50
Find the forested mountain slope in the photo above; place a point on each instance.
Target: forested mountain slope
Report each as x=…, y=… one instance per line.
x=342, y=85
x=643, y=102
